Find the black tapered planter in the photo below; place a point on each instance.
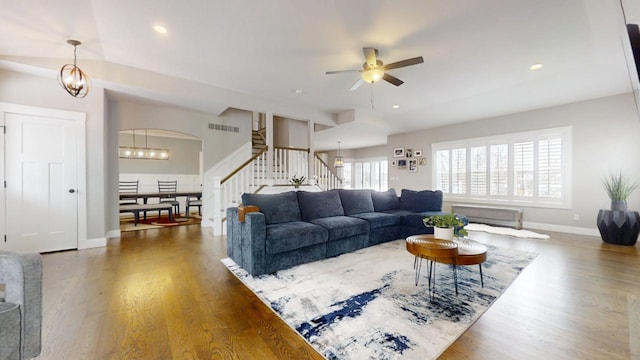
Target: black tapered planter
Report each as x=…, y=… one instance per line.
x=619, y=227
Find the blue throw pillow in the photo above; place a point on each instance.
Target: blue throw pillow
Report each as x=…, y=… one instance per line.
x=419, y=201
x=316, y=205
x=356, y=201
x=277, y=208
x=385, y=200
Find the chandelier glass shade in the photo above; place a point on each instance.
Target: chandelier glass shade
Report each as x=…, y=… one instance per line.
x=145, y=153
x=372, y=75
x=71, y=78
x=338, y=161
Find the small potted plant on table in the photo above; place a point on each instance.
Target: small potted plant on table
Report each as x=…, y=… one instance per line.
x=445, y=226
x=619, y=226
x=297, y=181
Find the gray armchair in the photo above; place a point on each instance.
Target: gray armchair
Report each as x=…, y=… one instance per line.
x=20, y=305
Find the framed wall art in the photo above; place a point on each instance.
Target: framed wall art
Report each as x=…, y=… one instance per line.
x=417, y=153
x=394, y=162
x=402, y=164
x=413, y=165
x=398, y=152
x=423, y=161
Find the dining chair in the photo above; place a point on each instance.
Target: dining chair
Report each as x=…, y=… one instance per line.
x=169, y=187
x=193, y=201
x=128, y=187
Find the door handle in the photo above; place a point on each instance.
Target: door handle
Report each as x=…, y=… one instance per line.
x=71, y=191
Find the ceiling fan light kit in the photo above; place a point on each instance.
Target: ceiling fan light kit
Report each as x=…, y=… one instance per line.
x=72, y=78
x=373, y=69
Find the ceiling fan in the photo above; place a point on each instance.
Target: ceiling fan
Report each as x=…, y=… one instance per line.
x=373, y=69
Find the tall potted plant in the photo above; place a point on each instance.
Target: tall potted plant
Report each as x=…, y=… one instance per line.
x=445, y=225
x=618, y=225
x=618, y=188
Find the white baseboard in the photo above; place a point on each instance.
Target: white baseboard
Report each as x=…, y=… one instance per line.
x=113, y=234
x=92, y=243
x=562, y=228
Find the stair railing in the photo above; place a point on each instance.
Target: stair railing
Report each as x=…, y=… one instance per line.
x=289, y=162
x=325, y=177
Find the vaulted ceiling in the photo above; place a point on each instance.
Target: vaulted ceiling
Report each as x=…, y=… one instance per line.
x=271, y=56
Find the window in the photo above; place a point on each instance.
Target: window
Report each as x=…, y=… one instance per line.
x=366, y=174
x=532, y=168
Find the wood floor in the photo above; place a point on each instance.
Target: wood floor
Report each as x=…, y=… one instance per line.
x=163, y=294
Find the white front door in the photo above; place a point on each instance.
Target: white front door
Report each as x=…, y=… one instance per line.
x=41, y=172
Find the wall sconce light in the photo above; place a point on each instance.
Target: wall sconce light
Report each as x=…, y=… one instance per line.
x=338, y=161
x=146, y=153
x=71, y=78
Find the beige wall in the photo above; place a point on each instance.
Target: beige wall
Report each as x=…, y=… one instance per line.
x=605, y=138
x=18, y=88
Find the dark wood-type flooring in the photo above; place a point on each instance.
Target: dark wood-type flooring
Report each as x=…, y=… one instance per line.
x=163, y=294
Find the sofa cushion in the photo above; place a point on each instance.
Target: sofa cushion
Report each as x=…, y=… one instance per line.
x=277, y=208
x=342, y=226
x=293, y=235
x=419, y=201
x=385, y=200
x=415, y=219
x=316, y=205
x=378, y=220
x=356, y=201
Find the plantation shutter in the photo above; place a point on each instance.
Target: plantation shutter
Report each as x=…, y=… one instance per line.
x=459, y=171
x=550, y=168
x=442, y=171
x=523, y=168
x=499, y=169
x=478, y=179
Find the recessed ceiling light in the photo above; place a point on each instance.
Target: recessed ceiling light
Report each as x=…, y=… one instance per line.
x=536, y=66
x=299, y=91
x=160, y=29
x=395, y=106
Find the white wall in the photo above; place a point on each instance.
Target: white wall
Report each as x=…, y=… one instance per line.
x=605, y=138
x=18, y=88
x=290, y=133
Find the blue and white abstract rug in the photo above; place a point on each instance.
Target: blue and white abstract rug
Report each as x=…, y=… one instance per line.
x=365, y=304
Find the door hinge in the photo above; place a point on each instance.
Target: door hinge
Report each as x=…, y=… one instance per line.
x=5, y=237
x=5, y=184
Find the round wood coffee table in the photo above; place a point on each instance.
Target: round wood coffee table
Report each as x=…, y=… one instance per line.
x=469, y=252
x=434, y=250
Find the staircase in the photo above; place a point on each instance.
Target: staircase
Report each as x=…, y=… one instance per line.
x=259, y=171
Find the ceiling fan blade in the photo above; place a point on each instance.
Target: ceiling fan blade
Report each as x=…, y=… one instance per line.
x=370, y=54
x=392, y=79
x=341, y=71
x=403, y=63
x=357, y=85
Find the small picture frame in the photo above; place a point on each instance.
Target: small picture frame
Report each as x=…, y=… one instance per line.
x=417, y=153
x=394, y=162
x=398, y=152
x=402, y=164
x=413, y=165
x=423, y=161
x=409, y=153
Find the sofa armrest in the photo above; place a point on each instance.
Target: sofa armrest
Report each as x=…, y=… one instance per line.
x=254, y=247
x=22, y=276
x=234, y=235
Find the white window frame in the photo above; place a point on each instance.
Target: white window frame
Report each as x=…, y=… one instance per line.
x=563, y=202
x=383, y=181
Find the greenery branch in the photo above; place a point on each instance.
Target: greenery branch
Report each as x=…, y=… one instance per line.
x=297, y=180
x=450, y=220
x=618, y=187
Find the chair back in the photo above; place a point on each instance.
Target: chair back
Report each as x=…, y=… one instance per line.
x=128, y=187
x=168, y=186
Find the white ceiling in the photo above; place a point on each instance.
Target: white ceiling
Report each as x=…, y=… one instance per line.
x=254, y=55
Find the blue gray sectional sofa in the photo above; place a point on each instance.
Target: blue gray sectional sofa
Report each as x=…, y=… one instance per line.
x=292, y=228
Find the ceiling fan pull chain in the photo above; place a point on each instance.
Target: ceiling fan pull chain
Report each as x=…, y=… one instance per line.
x=372, y=96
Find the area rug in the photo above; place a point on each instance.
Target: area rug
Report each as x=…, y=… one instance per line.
x=365, y=304
x=153, y=222
x=505, y=231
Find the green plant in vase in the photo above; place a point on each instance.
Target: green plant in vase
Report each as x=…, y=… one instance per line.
x=618, y=188
x=297, y=181
x=449, y=221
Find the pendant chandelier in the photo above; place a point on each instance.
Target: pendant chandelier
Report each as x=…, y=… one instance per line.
x=71, y=78
x=338, y=162
x=146, y=153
